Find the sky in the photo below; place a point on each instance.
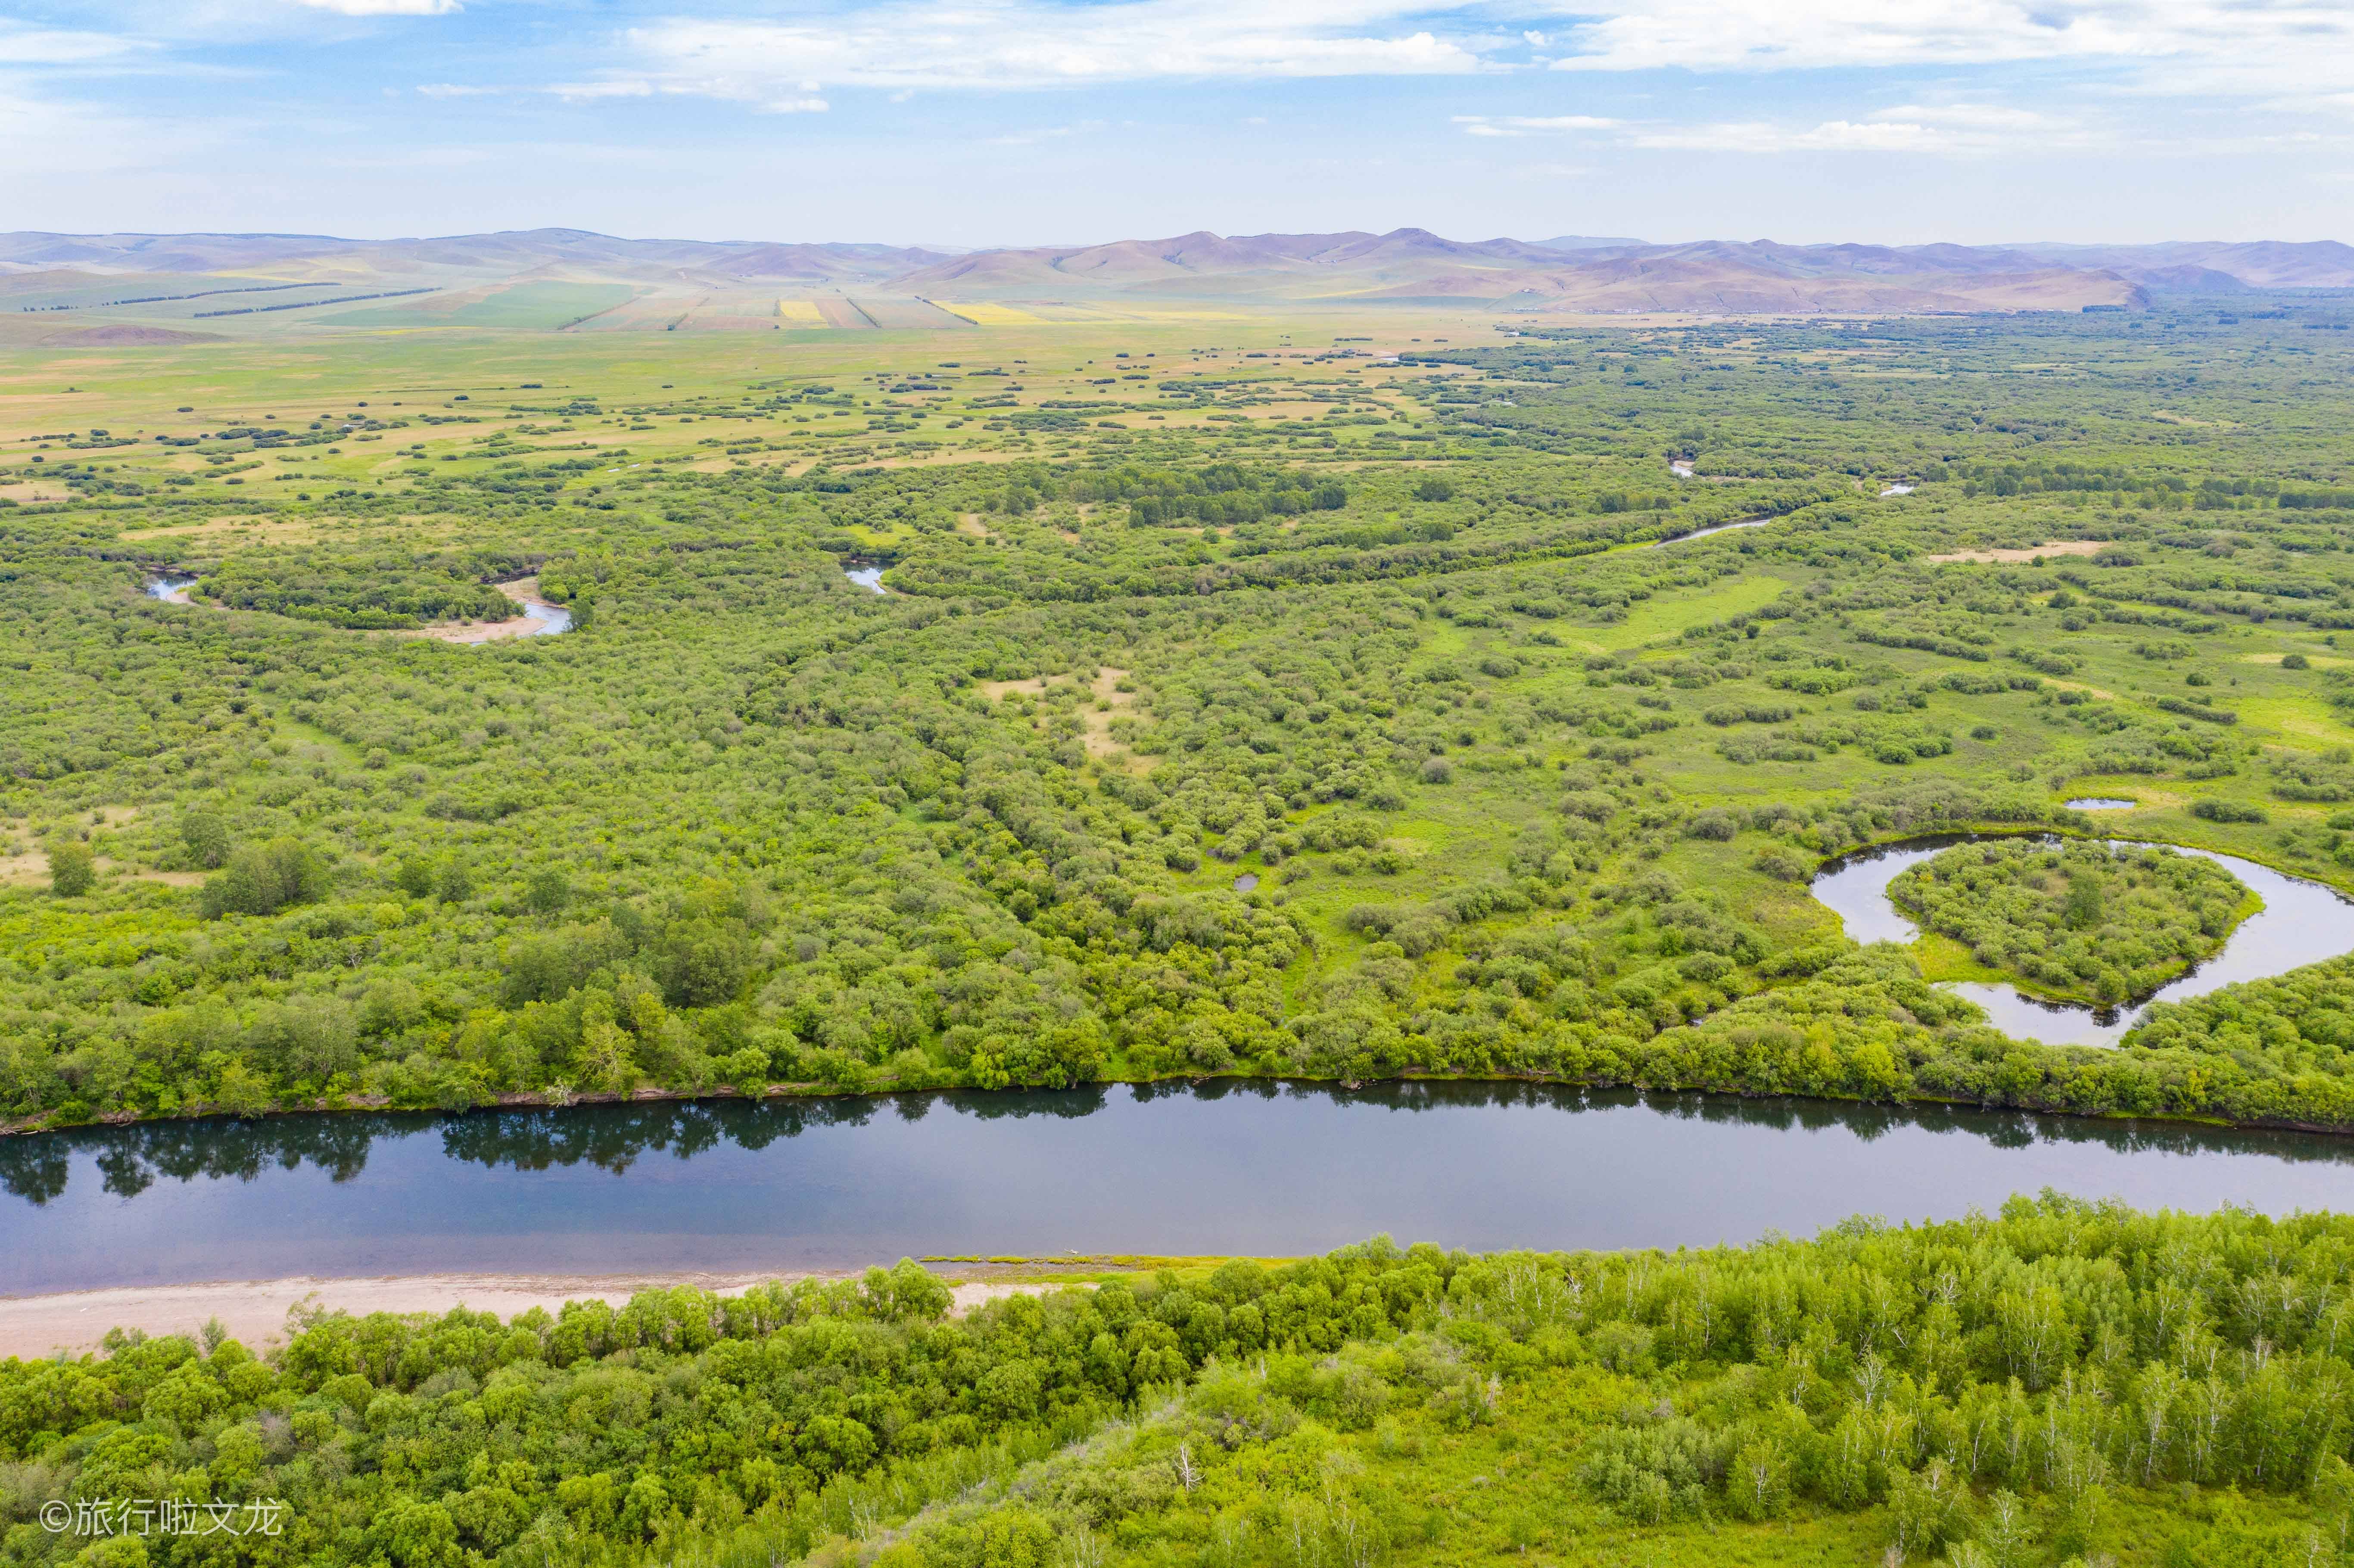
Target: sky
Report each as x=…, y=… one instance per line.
x=988, y=123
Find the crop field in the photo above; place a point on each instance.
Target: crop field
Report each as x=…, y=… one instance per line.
x=1333, y=696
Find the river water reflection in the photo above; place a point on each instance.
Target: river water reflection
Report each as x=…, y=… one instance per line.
x=1228, y=1166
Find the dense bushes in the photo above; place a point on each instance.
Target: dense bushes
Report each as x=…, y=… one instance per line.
x=2066, y=1378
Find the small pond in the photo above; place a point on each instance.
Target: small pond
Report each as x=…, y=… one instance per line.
x=2301, y=923
x=170, y=589
x=868, y=578
x=2100, y=804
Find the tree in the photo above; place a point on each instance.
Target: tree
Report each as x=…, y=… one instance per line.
x=206, y=836
x=73, y=870
x=547, y=891
x=2083, y=910
x=262, y=879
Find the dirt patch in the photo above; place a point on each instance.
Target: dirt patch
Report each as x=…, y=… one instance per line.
x=2318, y=661
x=31, y=492
x=117, y=336
x=254, y=1311
x=1096, y=735
x=2013, y=557
x=163, y=878
x=32, y=870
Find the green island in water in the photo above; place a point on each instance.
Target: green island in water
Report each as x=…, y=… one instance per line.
x=2080, y=921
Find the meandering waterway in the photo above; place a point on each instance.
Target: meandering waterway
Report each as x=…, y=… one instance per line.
x=2301, y=923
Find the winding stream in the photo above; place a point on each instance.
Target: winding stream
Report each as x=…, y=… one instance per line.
x=546, y=619
x=2301, y=923
x=1704, y=533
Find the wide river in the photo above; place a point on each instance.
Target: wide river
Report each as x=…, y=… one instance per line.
x=1229, y=1167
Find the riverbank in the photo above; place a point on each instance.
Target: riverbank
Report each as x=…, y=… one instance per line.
x=254, y=1311
x=539, y=618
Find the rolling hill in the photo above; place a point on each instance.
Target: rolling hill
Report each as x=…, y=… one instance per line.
x=566, y=280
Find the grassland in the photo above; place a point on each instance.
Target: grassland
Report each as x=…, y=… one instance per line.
x=1396, y=614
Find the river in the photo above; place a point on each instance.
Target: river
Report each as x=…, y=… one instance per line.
x=1228, y=1166
x=2301, y=923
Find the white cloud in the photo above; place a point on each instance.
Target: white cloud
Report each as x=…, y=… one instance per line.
x=617, y=87
x=21, y=46
x=2285, y=53
x=776, y=101
x=46, y=138
x=2213, y=46
x=1975, y=116
x=383, y=8
x=1035, y=43
x=1874, y=135
x=1531, y=125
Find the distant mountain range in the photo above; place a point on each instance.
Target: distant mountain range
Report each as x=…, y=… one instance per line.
x=568, y=278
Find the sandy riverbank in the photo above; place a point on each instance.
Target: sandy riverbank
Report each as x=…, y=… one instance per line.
x=523, y=591
x=254, y=1311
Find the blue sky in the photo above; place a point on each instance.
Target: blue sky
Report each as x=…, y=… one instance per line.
x=976, y=122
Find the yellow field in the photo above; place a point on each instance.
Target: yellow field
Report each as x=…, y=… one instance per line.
x=800, y=313
x=983, y=315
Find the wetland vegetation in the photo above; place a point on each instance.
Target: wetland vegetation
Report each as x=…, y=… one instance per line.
x=1522, y=796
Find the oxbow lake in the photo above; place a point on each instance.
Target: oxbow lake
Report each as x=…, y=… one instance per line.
x=2301, y=923
x=1229, y=1166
